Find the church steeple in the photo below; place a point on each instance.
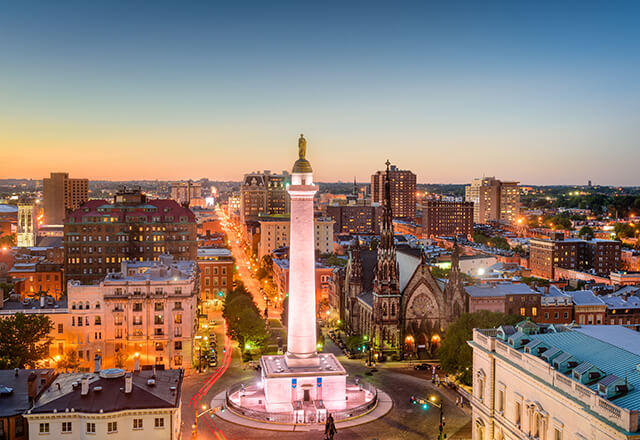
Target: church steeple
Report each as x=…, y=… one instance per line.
x=386, y=280
x=356, y=262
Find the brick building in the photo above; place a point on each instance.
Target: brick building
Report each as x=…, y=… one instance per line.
x=402, y=186
x=440, y=217
x=323, y=279
x=216, y=274
x=99, y=235
x=37, y=277
x=510, y=298
x=355, y=218
x=601, y=256
x=263, y=194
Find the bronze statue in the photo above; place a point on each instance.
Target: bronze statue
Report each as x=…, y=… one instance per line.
x=302, y=147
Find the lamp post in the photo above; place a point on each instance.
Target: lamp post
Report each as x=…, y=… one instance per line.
x=194, y=427
x=434, y=401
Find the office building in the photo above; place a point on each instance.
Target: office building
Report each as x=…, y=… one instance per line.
x=100, y=235
x=62, y=195
x=216, y=275
x=187, y=193
x=402, y=188
x=263, y=193
x=555, y=382
x=493, y=200
x=446, y=218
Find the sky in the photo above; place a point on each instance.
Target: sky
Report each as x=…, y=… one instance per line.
x=540, y=92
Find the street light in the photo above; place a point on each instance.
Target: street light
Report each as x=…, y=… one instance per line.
x=434, y=401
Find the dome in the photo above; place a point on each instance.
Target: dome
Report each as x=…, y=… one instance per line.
x=112, y=373
x=302, y=166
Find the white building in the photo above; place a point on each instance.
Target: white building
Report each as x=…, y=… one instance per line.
x=274, y=234
x=556, y=383
x=147, y=310
x=109, y=404
x=26, y=236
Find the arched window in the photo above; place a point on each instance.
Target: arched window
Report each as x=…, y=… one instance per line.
x=393, y=309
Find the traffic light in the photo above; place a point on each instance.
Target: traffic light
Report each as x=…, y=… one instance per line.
x=413, y=400
x=220, y=294
x=425, y=406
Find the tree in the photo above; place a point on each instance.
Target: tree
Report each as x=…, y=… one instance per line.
x=8, y=240
x=245, y=322
x=455, y=354
x=24, y=339
x=70, y=361
x=624, y=230
x=585, y=231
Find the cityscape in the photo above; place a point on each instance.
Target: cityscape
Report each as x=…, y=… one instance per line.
x=323, y=221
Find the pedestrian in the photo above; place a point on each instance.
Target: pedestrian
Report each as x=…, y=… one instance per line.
x=330, y=428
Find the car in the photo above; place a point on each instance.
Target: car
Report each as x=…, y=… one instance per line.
x=423, y=366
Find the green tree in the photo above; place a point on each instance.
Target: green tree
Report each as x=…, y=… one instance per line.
x=8, y=240
x=70, y=361
x=624, y=230
x=455, y=354
x=120, y=358
x=245, y=322
x=24, y=339
x=585, y=231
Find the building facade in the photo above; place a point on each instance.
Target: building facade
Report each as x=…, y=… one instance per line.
x=440, y=217
x=493, y=200
x=26, y=236
x=355, y=218
x=402, y=187
x=216, y=275
x=555, y=383
x=100, y=235
x=600, y=256
x=62, y=195
x=146, y=311
x=110, y=404
x=187, y=193
x=275, y=233
x=264, y=193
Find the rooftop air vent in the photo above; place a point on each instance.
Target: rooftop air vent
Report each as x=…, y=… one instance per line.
x=151, y=382
x=96, y=389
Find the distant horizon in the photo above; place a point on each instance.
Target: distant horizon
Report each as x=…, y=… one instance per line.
x=521, y=184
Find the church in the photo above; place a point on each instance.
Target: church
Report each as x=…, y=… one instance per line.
x=391, y=296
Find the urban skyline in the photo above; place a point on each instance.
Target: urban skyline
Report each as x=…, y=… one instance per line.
x=225, y=88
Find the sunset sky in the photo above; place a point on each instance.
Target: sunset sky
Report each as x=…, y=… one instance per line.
x=542, y=93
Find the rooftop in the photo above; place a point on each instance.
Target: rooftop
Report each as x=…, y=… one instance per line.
x=499, y=289
x=14, y=389
x=164, y=392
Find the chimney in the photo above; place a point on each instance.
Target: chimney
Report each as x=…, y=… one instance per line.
x=128, y=383
x=84, y=386
x=32, y=386
x=154, y=371
x=42, y=301
x=97, y=363
x=136, y=363
x=16, y=371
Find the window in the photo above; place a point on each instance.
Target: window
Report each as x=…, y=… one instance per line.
x=137, y=307
x=159, y=307
x=60, y=328
x=159, y=422
x=91, y=428
x=98, y=320
x=19, y=426
x=177, y=345
x=518, y=413
x=523, y=311
x=112, y=427
x=178, y=318
x=534, y=311
x=137, y=423
x=66, y=427
x=557, y=434
x=44, y=428
x=501, y=400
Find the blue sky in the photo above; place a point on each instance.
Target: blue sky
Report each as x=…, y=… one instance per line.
x=541, y=92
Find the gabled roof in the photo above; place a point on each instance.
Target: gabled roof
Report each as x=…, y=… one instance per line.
x=586, y=298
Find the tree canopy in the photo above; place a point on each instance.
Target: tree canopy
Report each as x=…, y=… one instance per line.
x=585, y=231
x=245, y=322
x=24, y=340
x=455, y=354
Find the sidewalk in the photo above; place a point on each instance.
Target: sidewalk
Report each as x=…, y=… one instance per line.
x=382, y=408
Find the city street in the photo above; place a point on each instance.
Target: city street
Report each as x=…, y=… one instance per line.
x=406, y=421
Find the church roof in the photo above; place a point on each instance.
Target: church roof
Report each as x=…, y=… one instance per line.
x=369, y=259
x=408, y=262
x=367, y=298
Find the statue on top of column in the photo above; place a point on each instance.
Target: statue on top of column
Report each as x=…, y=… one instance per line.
x=302, y=147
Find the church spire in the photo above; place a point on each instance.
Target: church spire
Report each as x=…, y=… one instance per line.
x=386, y=280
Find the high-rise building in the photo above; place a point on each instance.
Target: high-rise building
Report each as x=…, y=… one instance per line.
x=493, y=200
x=26, y=225
x=440, y=217
x=402, y=184
x=601, y=256
x=99, y=235
x=62, y=195
x=189, y=193
x=264, y=194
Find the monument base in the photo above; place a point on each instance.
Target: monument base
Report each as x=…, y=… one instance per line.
x=319, y=381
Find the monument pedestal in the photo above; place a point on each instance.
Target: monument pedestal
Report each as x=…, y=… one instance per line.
x=289, y=387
